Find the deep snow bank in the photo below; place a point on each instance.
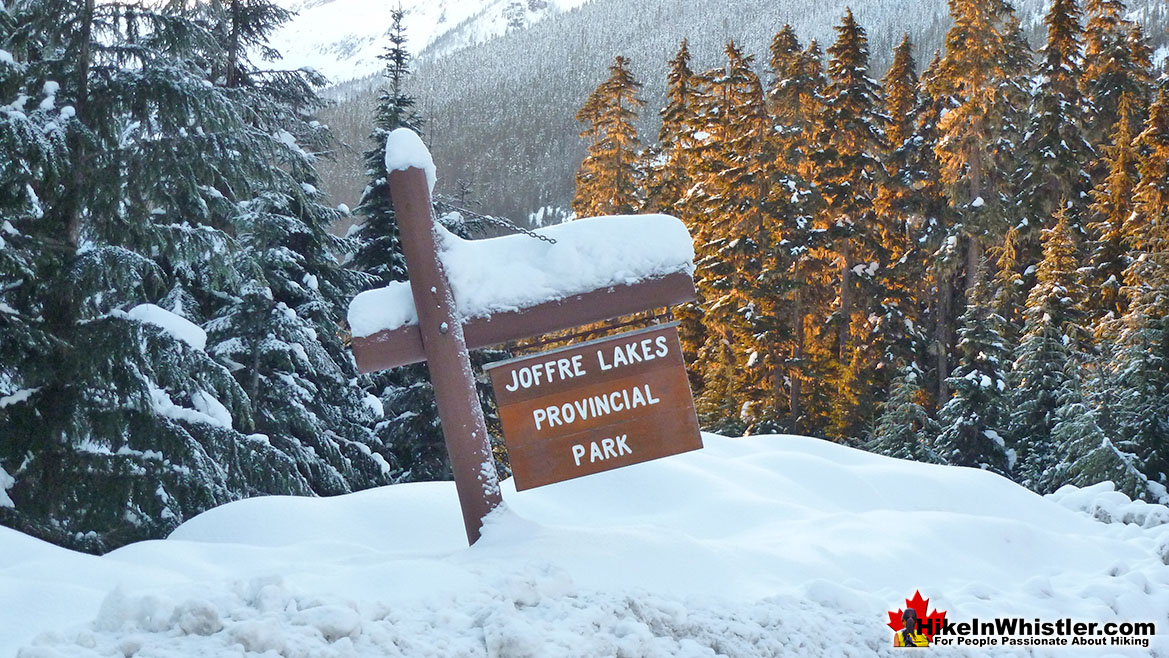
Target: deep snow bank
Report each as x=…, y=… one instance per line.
x=764, y=546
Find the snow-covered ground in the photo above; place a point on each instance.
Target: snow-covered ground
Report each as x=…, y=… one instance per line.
x=766, y=546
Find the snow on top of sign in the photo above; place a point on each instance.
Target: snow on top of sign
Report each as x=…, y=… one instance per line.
x=404, y=149
x=382, y=308
x=174, y=324
x=517, y=271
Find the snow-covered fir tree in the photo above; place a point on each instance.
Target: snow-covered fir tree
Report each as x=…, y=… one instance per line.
x=1087, y=455
x=974, y=420
x=904, y=429
x=1053, y=340
x=1055, y=154
x=131, y=427
x=410, y=427
x=1141, y=366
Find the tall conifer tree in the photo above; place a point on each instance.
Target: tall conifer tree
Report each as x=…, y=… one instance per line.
x=795, y=97
x=1117, y=62
x=849, y=172
x=609, y=180
x=1113, y=227
x=1051, y=345
x=983, y=71
x=1141, y=369
x=974, y=420
x=134, y=427
x=1056, y=155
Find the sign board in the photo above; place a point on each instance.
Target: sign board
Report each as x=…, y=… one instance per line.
x=596, y=406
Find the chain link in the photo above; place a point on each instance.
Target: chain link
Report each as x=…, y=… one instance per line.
x=446, y=204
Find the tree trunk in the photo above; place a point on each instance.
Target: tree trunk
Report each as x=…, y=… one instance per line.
x=233, y=47
x=942, y=337
x=798, y=357
x=77, y=178
x=845, y=333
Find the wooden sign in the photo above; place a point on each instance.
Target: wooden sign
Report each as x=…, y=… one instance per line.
x=646, y=388
x=596, y=406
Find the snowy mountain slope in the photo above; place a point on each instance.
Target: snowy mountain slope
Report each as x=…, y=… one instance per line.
x=497, y=104
x=501, y=114
x=764, y=546
x=342, y=38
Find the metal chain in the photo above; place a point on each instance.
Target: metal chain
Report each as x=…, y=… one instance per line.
x=446, y=204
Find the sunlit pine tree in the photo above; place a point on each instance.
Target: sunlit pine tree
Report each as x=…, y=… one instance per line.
x=1117, y=61
x=1141, y=365
x=795, y=97
x=743, y=277
x=1112, y=225
x=983, y=71
x=849, y=172
x=608, y=182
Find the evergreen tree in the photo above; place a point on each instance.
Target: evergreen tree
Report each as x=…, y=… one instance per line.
x=128, y=428
x=609, y=180
x=1117, y=62
x=410, y=428
x=794, y=97
x=35, y=159
x=849, y=172
x=914, y=191
x=1051, y=343
x=280, y=334
x=904, y=429
x=900, y=90
x=1010, y=286
x=667, y=182
x=1141, y=368
x=898, y=325
x=1089, y=456
x=1113, y=226
x=1056, y=155
x=380, y=251
x=983, y=71
x=742, y=280
x=973, y=420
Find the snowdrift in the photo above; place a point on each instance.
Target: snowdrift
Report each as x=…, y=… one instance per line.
x=765, y=546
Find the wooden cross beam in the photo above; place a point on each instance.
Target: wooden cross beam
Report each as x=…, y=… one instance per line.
x=442, y=338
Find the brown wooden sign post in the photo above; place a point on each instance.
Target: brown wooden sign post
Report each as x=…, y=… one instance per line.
x=596, y=406
x=447, y=358
x=442, y=339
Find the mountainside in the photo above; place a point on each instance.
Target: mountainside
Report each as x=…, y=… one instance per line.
x=343, y=38
x=501, y=114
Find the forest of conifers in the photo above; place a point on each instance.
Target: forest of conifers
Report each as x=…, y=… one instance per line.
x=966, y=267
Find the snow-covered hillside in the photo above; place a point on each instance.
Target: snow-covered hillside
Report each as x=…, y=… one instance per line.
x=342, y=38
x=767, y=546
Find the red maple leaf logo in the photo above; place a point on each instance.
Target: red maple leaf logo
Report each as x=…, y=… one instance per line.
x=919, y=605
